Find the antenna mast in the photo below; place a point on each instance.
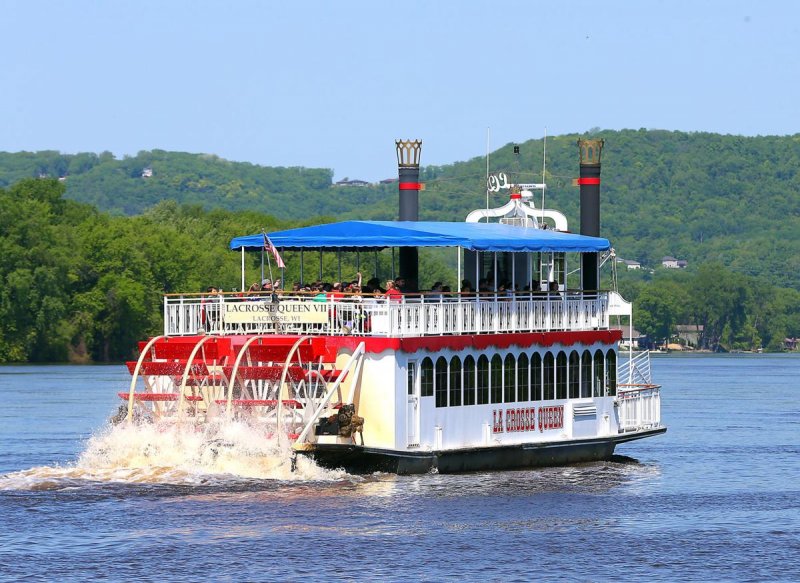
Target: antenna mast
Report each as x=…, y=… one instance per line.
x=487, y=170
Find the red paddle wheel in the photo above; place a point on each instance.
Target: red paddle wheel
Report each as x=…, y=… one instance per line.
x=276, y=381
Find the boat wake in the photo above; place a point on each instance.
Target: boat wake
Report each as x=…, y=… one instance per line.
x=215, y=454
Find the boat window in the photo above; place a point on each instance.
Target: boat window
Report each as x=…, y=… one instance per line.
x=441, y=382
x=469, y=381
x=483, y=380
x=561, y=375
x=497, y=379
x=455, y=382
x=522, y=377
x=611, y=383
x=426, y=374
x=536, y=377
x=549, y=372
x=412, y=369
x=586, y=374
x=599, y=373
x=574, y=375
x=509, y=380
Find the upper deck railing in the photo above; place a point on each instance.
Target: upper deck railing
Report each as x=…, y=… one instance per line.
x=420, y=315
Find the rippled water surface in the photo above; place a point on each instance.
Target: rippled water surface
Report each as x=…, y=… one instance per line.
x=716, y=498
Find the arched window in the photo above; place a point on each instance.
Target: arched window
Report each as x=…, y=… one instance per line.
x=536, y=377
x=426, y=377
x=561, y=375
x=509, y=380
x=549, y=373
x=455, y=381
x=483, y=380
x=611, y=361
x=599, y=373
x=522, y=377
x=497, y=379
x=441, y=382
x=574, y=375
x=586, y=374
x=469, y=381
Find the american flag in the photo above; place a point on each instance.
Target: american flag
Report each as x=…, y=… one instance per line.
x=269, y=247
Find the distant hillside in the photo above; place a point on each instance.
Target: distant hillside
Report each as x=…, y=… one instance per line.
x=133, y=184
x=695, y=196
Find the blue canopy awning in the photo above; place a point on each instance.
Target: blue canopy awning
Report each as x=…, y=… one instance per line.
x=361, y=235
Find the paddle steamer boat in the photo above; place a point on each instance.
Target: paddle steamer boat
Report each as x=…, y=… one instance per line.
x=419, y=382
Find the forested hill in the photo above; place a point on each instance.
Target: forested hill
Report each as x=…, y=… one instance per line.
x=695, y=196
x=133, y=184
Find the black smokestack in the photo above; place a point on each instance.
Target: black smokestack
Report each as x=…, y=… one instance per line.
x=408, y=152
x=589, y=181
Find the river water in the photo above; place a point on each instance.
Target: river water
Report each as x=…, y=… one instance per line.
x=716, y=498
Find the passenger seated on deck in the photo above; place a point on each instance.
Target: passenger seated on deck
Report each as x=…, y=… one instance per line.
x=253, y=290
x=375, y=284
x=392, y=293
x=436, y=292
x=336, y=292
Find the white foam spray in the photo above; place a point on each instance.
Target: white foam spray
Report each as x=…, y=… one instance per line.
x=211, y=454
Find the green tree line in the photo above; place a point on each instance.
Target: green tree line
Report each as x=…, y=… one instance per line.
x=731, y=311
x=82, y=285
x=702, y=197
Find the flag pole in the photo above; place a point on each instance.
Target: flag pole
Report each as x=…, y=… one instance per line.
x=269, y=263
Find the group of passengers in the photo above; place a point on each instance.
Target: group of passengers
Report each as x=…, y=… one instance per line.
x=392, y=289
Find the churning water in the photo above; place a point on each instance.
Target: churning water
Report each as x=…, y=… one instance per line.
x=716, y=498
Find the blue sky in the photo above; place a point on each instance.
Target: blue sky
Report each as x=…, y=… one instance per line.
x=332, y=84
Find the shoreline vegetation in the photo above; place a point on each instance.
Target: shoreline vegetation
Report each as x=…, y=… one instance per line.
x=84, y=285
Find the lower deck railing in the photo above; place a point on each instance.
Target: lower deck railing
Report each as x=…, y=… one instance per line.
x=639, y=407
x=379, y=316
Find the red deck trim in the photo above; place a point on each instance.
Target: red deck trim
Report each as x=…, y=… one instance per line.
x=479, y=341
x=328, y=346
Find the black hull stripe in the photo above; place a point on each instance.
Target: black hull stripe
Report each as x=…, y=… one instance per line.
x=359, y=459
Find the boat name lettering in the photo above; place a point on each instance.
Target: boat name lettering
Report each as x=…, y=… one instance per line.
x=525, y=418
x=551, y=417
x=263, y=307
x=287, y=312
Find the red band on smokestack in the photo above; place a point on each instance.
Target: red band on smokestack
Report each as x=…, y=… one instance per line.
x=588, y=181
x=410, y=186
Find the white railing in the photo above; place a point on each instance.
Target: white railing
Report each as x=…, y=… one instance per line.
x=637, y=368
x=639, y=407
x=379, y=316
